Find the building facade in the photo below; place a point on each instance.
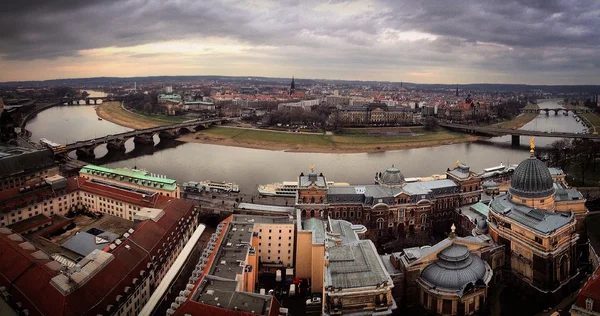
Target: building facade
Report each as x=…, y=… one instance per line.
x=373, y=114
x=539, y=236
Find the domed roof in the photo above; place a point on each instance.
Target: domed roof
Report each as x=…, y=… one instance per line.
x=482, y=226
x=454, y=268
x=391, y=176
x=531, y=179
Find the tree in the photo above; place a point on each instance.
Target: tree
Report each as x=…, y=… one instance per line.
x=430, y=123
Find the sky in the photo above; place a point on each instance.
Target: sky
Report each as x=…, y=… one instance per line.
x=433, y=41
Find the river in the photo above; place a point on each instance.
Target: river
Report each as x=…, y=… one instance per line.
x=250, y=167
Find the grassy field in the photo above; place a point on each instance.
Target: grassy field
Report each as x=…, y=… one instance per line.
x=112, y=111
x=323, y=143
x=593, y=119
x=521, y=119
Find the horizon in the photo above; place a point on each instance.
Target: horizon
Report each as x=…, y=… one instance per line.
x=532, y=43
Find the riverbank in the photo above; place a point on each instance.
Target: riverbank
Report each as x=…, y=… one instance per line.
x=521, y=119
x=321, y=143
x=113, y=112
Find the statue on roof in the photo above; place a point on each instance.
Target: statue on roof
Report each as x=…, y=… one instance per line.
x=456, y=165
x=532, y=145
x=312, y=168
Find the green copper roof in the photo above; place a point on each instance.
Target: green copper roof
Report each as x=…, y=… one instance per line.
x=139, y=177
x=481, y=208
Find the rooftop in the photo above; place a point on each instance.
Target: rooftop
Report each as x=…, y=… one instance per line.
x=355, y=265
x=542, y=221
x=18, y=160
x=222, y=293
x=136, y=176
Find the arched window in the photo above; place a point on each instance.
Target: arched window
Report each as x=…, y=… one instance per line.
x=337, y=214
x=321, y=213
x=563, y=273
x=303, y=213
x=312, y=213
x=423, y=218
x=321, y=200
x=304, y=199
x=344, y=214
x=312, y=200
x=380, y=223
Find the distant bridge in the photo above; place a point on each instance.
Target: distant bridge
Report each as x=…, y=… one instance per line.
x=141, y=136
x=89, y=100
x=515, y=133
x=557, y=110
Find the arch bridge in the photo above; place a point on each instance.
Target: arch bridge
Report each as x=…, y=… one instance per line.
x=556, y=111
x=89, y=100
x=140, y=137
x=515, y=133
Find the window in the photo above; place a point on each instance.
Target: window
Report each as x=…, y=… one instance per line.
x=446, y=307
x=538, y=240
x=541, y=201
x=589, y=304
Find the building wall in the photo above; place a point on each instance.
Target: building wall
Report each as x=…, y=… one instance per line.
x=317, y=268
x=175, y=193
x=58, y=205
x=276, y=243
x=545, y=203
x=366, y=299
x=24, y=180
x=304, y=255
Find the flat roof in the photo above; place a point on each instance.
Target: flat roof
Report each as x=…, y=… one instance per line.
x=355, y=265
x=264, y=207
x=144, y=178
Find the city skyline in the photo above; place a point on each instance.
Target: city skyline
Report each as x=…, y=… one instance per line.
x=535, y=43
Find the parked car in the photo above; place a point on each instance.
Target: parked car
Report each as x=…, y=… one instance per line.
x=313, y=301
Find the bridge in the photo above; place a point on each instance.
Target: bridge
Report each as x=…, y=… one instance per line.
x=557, y=110
x=89, y=100
x=140, y=137
x=515, y=133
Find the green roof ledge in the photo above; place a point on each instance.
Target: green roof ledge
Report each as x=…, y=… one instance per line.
x=135, y=174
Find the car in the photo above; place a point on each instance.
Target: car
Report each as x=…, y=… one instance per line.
x=313, y=301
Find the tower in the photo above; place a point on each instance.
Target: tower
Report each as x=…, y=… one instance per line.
x=292, y=87
x=456, y=90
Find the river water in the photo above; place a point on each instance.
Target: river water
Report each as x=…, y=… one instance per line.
x=250, y=167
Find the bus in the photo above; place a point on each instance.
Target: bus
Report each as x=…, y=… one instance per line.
x=52, y=145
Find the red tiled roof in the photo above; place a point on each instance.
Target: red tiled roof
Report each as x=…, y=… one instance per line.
x=195, y=308
x=590, y=290
x=31, y=278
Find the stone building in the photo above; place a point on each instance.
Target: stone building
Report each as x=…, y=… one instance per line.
x=373, y=114
x=536, y=222
x=448, y=278
x=392, y=206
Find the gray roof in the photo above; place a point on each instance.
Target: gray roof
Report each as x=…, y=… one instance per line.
x=462, y=171
x=564, y=194
x=531, y=179
x=14, y=161
x=221, y=292
x=355, y=265
x=317, y=227
x=312, y=178
x=391, y=176
x=455, y=268
x=543, y=221
x=84, y=243
x=344, y=229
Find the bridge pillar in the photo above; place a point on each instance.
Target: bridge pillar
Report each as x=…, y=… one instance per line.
x=87, y=101
x=516, y=140
x=169, y=134
x=116, y=145
x=144, y=139
x=86, y=152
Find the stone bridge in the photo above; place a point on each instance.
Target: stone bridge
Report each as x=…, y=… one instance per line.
x=557, y=110
x=515, y=133
x=90, y=100
x=140, y=137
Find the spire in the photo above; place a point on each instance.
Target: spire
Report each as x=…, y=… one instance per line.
x=457, y=90
x=452, y=235
x=292, y=87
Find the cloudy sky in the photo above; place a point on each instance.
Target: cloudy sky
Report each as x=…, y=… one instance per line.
x=433, y=41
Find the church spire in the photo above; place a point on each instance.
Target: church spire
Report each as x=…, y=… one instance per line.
x=292, y=87
x=457, y=90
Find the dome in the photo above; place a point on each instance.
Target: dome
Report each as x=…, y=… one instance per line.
x=490, y=185
x=531, y=179
x=482, y=226
x=391, y=176
x=454, y=268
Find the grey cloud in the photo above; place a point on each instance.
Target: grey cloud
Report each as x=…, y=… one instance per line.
x=497, y=36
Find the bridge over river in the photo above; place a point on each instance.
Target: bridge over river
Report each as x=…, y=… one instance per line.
x=140, y=137
x=515, y=133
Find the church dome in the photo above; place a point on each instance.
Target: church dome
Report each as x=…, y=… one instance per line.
x=455, y=268
x=531, y=179
x=391, y=176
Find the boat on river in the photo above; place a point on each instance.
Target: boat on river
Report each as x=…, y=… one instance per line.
x=287, y=188
x=208, y=185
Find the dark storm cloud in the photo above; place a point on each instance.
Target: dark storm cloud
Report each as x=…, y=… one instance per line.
x=517, y=35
